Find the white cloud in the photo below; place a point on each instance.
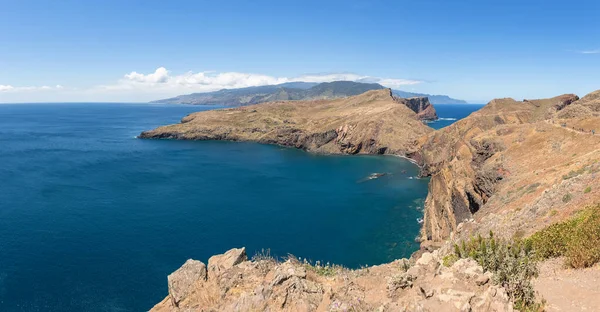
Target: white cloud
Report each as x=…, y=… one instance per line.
x=161, y=75
x=4, y=88
x=161, y=80
x=140, y=87
x=9, y=88
x=590, y=51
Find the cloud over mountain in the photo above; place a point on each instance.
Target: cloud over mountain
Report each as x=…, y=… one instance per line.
x=140, y=87
x=161, y=78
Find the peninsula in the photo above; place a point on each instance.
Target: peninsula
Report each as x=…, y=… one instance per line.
x=513, y=169
x=374, y=122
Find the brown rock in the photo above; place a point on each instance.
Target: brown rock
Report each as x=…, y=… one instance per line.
x=371, y=123
x=219, y=263
x=183, y=281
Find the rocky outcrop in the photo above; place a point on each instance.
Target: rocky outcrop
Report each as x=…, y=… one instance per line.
x=513, y=167
x=421, y=106
x=371, y=123
x=265, y=285
x=496, y=165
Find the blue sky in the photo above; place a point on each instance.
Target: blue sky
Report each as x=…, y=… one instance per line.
x=142, y=50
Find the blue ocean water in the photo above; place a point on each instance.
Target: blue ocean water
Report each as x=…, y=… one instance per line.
x=450, y=113
x=93, y=219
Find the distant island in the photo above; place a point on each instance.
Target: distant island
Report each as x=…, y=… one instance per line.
x=294, y=91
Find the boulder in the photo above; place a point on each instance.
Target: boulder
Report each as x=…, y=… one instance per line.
x=183, y=281
x=220, y=263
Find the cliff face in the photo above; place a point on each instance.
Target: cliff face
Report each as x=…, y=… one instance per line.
x=232, y=283
x=505, y=166
x=513, y=167
x=371, y=123
x=421, y=106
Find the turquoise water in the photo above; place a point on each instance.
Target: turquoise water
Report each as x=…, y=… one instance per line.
x=93, y=219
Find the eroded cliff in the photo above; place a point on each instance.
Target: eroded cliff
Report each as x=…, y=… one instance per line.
x=508, y=166
x=371, y=123
x=421, y=106
x=512, y=167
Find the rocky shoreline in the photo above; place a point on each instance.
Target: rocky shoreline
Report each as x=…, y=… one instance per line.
x=512, y=167
x=374, y=122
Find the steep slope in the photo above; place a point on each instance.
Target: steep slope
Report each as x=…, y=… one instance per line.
x=421, y=106
x=290, y=91
x=434, y=98
x=371, y=123
x=512, y=166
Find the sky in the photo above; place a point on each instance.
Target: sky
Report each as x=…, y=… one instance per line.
x=137, y=51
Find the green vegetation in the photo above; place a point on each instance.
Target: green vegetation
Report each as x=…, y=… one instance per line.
x=531, y=188
x=513, y=265
x=587, y=190
x=264, y=255
x=448, y=260
x=567, y=198
x=326, y=269
x=577, y=239
x=573, y=174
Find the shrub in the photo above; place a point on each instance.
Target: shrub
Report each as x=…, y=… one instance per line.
x=577, y=239
x=264, y=255
x=512, y=263
x=323, y=269
x=587, y=189
x=567, y=198
x=449, y=260
x=573, y=174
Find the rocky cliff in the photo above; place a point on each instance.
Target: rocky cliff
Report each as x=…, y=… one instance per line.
x=371, y=123
x=229, y=282
x=421, y=106
x=513, y=166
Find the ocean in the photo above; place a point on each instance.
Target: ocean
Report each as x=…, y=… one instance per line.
x=450, y=113
x=94, y=219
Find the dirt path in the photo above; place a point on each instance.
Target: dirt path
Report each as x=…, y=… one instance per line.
x=568, y=289
x=567, y=127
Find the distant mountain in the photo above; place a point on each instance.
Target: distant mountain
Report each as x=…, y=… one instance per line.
x=434, y=99
x=292, y=91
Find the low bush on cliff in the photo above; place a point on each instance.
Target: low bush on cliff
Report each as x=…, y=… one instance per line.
x=512, y=263
x=577, y=239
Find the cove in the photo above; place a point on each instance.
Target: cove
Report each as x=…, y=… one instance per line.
x=93, y=219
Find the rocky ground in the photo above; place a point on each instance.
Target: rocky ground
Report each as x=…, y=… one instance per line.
x=232, y=283
x=371, y=123
x=513, y=168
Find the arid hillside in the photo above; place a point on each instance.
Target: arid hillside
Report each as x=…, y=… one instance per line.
x=513, y=166
x=374, y=122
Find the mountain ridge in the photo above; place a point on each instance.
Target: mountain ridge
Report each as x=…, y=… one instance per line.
x=293, y=91
x=374, y=122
